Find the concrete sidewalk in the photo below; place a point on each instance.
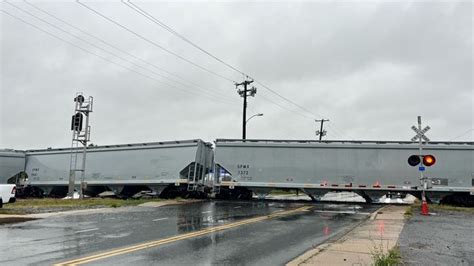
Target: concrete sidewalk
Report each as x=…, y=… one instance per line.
x=380, y=232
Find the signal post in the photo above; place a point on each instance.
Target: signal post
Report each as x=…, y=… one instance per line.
x=80, y=135
x=422, y=160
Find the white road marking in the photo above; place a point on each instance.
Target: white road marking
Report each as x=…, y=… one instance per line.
x=343, y=212
x=160, y=219
x=237, y=207
x=207, y=212
x=87, y=230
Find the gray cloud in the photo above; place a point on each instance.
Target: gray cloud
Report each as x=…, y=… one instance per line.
x=371, y=68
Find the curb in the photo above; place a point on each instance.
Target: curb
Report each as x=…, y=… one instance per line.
x=323, y=246
x=373, y=216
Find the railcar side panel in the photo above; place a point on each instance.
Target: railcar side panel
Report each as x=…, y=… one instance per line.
x=11, y=163
x=365, y=165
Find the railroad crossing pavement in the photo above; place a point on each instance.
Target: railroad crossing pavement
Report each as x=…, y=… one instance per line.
x=199, y=233
x=380, y=232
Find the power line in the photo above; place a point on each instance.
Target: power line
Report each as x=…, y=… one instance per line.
x=117, y=48
x=284, y=108
x=284, y=98
x=113, y=54
x=166, y=27
x=99, y=56
x=336, y=132
x=147, y=15
x=472, y=129
x=171, y=30
x=153, y=43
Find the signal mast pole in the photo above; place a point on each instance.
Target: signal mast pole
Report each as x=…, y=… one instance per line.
x=420, y=152
x=420, y=136
x=80, y=135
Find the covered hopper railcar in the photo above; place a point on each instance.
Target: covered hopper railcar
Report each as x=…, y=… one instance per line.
x=167, y=168
x=369, y=168
x=12, y=163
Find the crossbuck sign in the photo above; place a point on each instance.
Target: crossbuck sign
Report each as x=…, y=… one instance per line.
x=420, y=133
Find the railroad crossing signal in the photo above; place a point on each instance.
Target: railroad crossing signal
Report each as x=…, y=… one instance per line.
x=420, y=133
x=429, y=160
x=414, y=160
x=426, y=160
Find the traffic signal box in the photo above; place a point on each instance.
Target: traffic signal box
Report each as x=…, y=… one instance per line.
x=76, y=122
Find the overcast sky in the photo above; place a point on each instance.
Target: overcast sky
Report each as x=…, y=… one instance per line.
x=369, y=67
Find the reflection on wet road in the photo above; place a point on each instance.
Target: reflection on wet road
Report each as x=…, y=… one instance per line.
x=269, y=241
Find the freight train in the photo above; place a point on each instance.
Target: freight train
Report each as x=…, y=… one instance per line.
x=369, y=168
x=166, y=168
x=238, y=169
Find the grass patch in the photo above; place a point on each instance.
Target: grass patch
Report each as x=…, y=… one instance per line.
x=25, y=206
x=409, y=211
x=416, y=207
x=381, y=258
x=451, y=208
x=283, y=192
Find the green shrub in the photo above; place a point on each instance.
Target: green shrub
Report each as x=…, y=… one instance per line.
x=392, y=257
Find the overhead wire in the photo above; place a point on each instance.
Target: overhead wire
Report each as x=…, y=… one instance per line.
x=472, y=129
x=166, y=27
x=97, y=55
x=150, y=17
x=341, y=132
x=334, y=130
x=113, y=54
x=154, y=20
x=284, y=108
x=154, y=43
x=117, y=48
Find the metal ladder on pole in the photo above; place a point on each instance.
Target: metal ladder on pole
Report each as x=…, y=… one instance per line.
x=73, y=161
x=80, y=137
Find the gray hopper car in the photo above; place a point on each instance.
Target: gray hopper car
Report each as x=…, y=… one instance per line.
x=371, y=169
x=12, y=162
x=163, y=167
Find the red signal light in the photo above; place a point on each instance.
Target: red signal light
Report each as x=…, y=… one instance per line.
x=429, y=160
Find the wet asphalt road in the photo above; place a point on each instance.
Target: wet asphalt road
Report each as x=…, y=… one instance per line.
x=269, y=242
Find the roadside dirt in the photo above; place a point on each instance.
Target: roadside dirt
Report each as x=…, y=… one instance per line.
x=444, y=238
x=24, y=214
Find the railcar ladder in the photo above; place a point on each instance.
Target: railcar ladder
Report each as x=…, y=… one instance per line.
x=192, y=177
x=216, y=186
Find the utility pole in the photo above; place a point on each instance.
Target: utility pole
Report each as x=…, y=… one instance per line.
x=244, y=93
x=321, y=132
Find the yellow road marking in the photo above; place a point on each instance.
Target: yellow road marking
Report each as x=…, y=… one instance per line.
x=160, y=242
